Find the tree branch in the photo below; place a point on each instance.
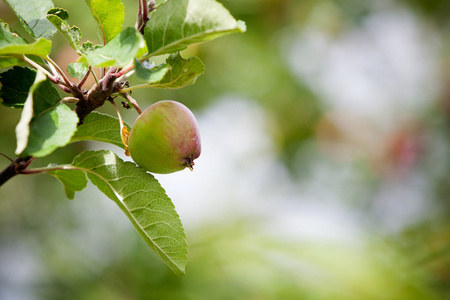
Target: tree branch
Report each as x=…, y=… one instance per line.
x=97, y=95
x=14, y=168
x=88, y=102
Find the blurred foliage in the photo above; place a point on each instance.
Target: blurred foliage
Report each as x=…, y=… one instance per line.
x=237, y=260
x=437, y=10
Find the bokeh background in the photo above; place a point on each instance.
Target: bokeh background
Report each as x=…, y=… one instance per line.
x=324, y=173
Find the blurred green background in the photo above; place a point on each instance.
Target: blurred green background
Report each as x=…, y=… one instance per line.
x=324, y=171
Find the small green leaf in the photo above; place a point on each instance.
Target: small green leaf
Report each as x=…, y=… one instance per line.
x=7, y=37
x=44, y=125
x=176, y=24
x=12, y=44
x=150, y=74
x=59, y=17
x=15, y=85
x=45, y=97
x=73, y=180
x=50, y=130
x=77, y=70
x=100, y=127
x=176, y=73
x=23, y=127
x=88, y=47
x=182, y=72
x=119, y=52
x=109, y=15
x=33, y=16
x=10, y=61
x=144, y=202
x=40, y=48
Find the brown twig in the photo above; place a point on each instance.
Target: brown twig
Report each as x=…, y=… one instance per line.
x=14, y=168
x=97, y=95
x=80, y=84
x=133, y=102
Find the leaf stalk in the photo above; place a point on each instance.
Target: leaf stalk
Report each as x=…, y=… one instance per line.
x=133, y=102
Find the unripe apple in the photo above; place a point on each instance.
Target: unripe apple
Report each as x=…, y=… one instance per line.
x=165, y=138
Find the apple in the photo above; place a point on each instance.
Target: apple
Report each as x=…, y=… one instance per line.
x=165, y=138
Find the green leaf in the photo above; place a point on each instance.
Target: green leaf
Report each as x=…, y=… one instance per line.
x=119, y=52
x=88, y=47
x=7, y=37
x=10, y=61
x=143, y=201
x=44, y=97
x=73, y=180
x=59, y=17
x=15, y=85
x=150, y=74
x=182, y=72
x=23, y=127
x=33, y=16
x=100, y=127
x=176, y=73
x=12, y=44
x=40, y=48
x=177, y=24
x=109, y=15
x=77, y=70
x=44, y=125
x=51, y=130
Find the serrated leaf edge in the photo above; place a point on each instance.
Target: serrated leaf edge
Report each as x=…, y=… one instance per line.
x=123, y=206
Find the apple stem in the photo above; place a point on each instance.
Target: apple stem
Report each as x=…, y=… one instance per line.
x=123, y=129
x=190, y=162
x=133, y=102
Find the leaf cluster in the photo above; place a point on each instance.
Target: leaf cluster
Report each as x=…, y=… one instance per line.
x=30, y=80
